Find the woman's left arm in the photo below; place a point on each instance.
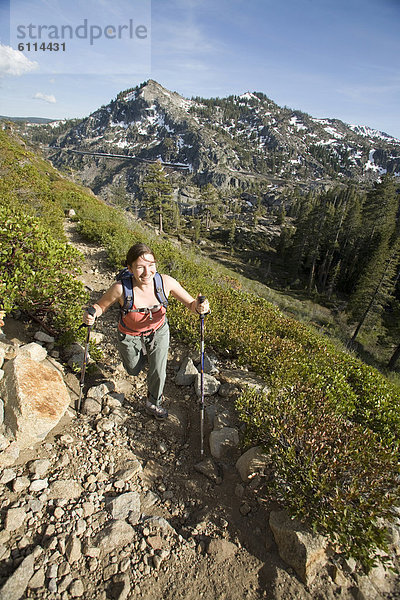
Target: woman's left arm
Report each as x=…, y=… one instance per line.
x=173, y=287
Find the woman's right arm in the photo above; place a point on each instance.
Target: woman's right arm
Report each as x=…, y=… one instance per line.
x=112, y=295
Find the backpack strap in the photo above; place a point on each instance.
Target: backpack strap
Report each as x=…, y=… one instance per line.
x=125, y=277
x=159, y=290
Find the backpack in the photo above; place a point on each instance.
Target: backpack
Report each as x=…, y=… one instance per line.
x=125, y=277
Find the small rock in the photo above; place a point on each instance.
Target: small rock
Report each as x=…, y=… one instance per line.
x=63, y=569
x=40, y=336
x=163, y=448
x=110, y=571
x=7, y=476
x=114, y=535
x=121, y=506
x=76, y=589
x=131, y=468
x=221, y=550
x=65, y=488
x=187, y=373
x=210, y=364
x=73, y=549
x=15, y=518
x=211, y=385
x=35, y=351
x=300, y=548
x=244, y=509
x=91, y=406
x=99, y=391
x=64, y=583
x=37, y=581
x=223, y=441
x=4, y=442
x=88, y=509
x=39, y=468
x=208, y=468
x=37, y=485
x=105, y=425
x=252, y=462
x=9, y=455
x=156, y=542
x=20, y=484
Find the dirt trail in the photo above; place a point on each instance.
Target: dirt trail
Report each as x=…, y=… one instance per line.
x=211, y=510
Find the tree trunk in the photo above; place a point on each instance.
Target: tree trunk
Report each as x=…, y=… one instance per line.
x=160, y=221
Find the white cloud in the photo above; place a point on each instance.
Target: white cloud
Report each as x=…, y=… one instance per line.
x=47, y=98
x=14, y=62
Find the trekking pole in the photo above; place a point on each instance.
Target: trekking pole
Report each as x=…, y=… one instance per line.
x=92, y=311
x=202, y=317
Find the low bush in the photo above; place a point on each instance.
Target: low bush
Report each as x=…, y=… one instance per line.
x=336, y=475
x=39, y=273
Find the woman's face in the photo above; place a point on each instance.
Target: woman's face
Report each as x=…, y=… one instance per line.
x=144, y=269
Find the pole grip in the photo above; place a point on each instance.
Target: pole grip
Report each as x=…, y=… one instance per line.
x=92, y=312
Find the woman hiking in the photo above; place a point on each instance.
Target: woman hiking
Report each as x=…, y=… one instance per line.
x=143, y=327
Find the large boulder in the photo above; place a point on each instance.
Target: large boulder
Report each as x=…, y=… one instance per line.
x=35, y=399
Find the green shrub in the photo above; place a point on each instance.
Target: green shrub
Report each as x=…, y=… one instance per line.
x=337, y=475
x=39, y=273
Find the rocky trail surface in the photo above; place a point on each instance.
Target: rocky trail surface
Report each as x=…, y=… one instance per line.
x=113, y=504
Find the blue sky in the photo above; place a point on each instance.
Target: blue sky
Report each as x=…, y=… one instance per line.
x=329, y=58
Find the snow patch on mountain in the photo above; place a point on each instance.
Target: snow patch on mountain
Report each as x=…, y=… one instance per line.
x=371, y=166
x=131, y=96
x=368, y=132
x=334, y=133
x=297, y=124
x=249, y=96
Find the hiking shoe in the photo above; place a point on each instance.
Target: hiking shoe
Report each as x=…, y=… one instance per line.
x=158, y=412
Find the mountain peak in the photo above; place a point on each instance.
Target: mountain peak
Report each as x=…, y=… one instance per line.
x=152, y=93
x=239, y=141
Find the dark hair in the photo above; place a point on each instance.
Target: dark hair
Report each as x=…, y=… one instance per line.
x=136, y=251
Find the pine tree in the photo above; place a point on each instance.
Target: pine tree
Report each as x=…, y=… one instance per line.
x=232, y=236
x=349, y=243
x=380, y=210
x=379, y=217
x=119, y=196
x=157, y=195
x=210, y=204
x=281, y=218
x=376, y=286
x=196, y=230
x=301, y=239
x=332, y=229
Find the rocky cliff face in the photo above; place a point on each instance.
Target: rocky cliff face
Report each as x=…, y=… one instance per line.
x=235, y=141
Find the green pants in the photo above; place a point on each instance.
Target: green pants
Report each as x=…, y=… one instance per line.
x=136, y=351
